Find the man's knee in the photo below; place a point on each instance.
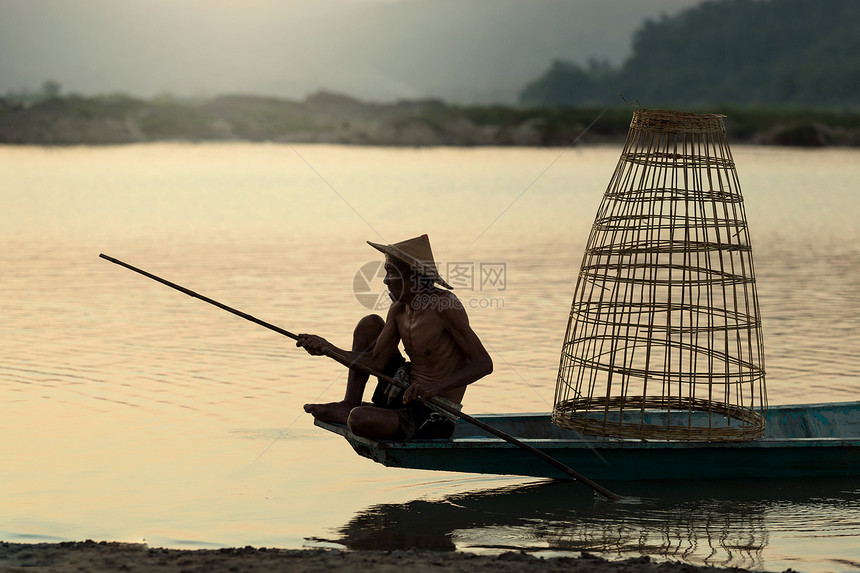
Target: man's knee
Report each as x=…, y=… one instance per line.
x=373, y=422
x=370, y=323
x=367, y=331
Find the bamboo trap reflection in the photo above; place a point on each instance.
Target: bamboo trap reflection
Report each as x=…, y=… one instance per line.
x=665, y=315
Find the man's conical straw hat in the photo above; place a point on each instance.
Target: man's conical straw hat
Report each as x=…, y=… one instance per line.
x=416, y=253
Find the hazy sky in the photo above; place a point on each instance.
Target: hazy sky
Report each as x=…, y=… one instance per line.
x=381, y=50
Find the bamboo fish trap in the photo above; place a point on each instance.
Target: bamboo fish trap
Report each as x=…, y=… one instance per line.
x=665, y=316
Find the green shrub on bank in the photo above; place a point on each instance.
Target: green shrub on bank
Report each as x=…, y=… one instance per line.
x=337, y=119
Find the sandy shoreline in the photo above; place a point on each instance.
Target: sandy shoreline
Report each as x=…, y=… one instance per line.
x=104, y=556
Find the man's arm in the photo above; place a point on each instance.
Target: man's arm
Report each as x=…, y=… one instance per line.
x=375, y=359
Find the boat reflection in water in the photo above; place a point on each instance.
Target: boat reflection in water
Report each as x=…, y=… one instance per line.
x=754, y=524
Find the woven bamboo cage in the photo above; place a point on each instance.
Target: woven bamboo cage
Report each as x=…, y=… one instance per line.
x=665, y=318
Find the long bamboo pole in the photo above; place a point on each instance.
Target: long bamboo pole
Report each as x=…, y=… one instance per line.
x=364, y=368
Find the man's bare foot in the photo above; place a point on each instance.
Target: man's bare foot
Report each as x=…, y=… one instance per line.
x=336, y=412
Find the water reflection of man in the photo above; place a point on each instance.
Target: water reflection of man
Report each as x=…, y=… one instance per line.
x=445, y=353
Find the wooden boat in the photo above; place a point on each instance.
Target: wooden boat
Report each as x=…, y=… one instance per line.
x=799, y=440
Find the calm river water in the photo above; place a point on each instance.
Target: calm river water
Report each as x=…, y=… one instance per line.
x=131, y=412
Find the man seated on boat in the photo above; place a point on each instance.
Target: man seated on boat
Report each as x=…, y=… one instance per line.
x=445, y=353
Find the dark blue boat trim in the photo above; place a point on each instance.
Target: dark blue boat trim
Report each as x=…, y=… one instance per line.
x=800, y=440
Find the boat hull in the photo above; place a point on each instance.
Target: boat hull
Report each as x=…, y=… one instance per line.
x=801, y=440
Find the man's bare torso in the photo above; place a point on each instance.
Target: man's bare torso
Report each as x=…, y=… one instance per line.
x=430, y=345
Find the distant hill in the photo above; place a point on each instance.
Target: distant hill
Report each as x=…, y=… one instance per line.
x=747, y=52
x=473, y=52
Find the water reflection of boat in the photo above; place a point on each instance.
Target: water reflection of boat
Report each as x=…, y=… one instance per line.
x=799, y=440
x=727, y=523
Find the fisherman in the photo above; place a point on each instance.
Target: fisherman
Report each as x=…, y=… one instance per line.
x=445, y=353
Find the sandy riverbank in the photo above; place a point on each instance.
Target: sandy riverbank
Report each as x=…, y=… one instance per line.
x=102, y=557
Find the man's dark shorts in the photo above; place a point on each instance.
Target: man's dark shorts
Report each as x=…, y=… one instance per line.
x=417, y=421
